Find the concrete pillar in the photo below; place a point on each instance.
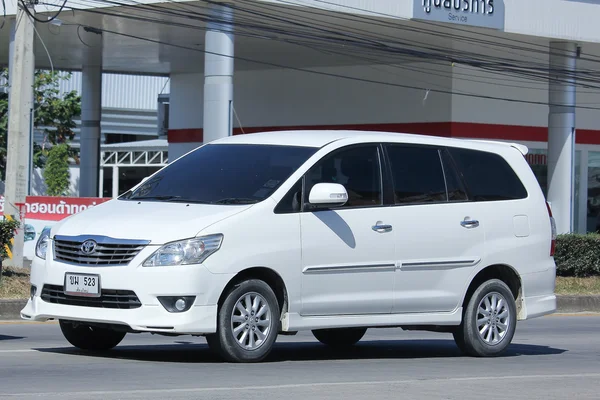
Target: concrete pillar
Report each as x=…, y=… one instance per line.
x=91, y=112
x=21, y=81
x=218, y=74
x=561, y=134
x=115, y=182
x=101, y=183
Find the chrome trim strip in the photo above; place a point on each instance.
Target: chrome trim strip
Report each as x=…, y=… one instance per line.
x=450, y=264
x=349, y=268
x=101, y=240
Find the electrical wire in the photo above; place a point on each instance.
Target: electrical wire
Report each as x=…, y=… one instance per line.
x=49, y=59
x=3, y=14
x=205, y=18
x=333, y=75
x=52, y=18
x=491, y=68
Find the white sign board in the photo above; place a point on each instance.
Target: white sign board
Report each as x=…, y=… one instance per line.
x=480, y=13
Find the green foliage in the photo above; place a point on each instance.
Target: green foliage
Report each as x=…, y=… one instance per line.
x=7, y=232
x=54, y=113
x=578, y=255
x=56, y=173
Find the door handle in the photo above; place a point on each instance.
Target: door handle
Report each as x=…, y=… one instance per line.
x=469, y=223
x=381, y=228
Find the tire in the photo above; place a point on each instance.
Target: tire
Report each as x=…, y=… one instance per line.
x=492, y=342
x=249, y=336
x=91, y=338
x=339, y=338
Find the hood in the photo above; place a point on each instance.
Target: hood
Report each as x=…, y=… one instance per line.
x=159, y=222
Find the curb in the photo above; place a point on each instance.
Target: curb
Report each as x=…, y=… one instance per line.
x=11, y=309
x=577, y=304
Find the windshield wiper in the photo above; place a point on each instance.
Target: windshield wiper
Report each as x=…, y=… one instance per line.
x=236, y=200
x=177, y=199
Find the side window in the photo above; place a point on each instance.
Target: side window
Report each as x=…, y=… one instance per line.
x=488, y=176
x=456, y=189
x=417, y=174
x=357, y=168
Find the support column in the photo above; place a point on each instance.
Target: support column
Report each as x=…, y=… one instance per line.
x=21, y=79
x=115, y=182
x=91, y=112
x=218, y=74
x=561, y=134
x=101, y=183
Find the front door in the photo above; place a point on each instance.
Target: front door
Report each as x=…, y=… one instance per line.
x=348, y=253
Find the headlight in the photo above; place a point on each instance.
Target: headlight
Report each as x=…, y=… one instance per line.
x=41, y=246
x=185, y=252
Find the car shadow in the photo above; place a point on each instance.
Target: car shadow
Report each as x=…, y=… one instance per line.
x=187, y=352
x=6, y=337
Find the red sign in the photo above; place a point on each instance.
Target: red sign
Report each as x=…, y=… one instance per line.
x=47, y=208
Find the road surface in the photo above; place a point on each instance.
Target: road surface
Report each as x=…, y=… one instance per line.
x=555, y=357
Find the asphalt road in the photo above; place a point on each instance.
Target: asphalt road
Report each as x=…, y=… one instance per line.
x=556, y=357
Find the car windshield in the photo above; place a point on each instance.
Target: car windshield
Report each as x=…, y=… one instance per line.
x=223, y=174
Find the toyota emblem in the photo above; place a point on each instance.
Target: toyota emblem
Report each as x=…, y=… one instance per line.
x=88, y=247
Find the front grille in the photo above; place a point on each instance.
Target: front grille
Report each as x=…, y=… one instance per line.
x=101, y=250
x=120, y=299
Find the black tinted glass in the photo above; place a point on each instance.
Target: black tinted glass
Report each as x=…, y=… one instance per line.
x=454, y=185
x=357, y=169
x=417, y=174
x=488, y=176
x=224, y=174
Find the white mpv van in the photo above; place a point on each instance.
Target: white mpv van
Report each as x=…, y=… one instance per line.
x=335, y=232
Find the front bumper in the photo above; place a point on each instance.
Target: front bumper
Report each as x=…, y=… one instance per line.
x=144, y=283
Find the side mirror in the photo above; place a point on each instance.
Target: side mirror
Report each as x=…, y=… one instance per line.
x=327, y=195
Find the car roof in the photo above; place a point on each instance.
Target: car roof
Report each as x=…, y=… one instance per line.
x=320, y=138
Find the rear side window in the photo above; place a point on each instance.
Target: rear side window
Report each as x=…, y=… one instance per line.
x=417, y=173
x=488, y=176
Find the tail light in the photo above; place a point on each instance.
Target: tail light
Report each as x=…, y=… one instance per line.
x=553, y=225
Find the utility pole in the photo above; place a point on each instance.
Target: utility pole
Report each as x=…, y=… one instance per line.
x=19, y=121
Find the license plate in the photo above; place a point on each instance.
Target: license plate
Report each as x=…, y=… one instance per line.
x=82, y=285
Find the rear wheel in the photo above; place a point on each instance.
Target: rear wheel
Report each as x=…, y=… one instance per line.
x=489, y=321
x=88, y=337
x=247, y=323
x=339, y=338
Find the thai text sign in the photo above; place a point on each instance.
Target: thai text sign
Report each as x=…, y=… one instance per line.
x=480, y=13
x=48, y=208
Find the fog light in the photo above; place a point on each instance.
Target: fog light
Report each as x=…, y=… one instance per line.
x=176, y=304
x=180, y=304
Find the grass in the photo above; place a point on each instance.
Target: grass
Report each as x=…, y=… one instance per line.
x=578, y=286
x=15, y=284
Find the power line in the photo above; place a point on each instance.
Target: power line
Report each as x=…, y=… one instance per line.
x=332, y=75
x=498, y=69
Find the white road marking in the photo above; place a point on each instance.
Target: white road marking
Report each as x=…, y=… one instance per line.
x=302, y=385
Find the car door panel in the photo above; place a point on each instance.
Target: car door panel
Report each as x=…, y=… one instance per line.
x=348, y=265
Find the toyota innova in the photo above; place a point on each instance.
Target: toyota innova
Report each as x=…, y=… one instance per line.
x=252, y=236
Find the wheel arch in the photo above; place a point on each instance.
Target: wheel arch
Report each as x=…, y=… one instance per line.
x=503, y=272
x=268, y=275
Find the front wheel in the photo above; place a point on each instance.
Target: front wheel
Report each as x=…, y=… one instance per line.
x=88, y=337
x=489, y=321
x=247, y=323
